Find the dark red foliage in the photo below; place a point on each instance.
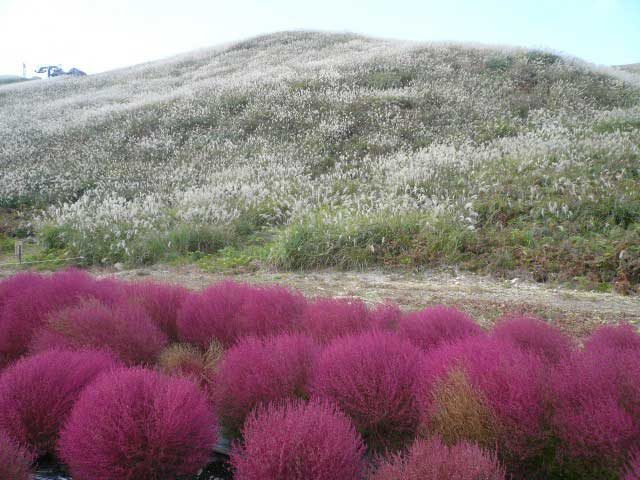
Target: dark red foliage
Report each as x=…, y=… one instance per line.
x=161, y=302
x=15, y=461
x=597, y=410
x=513, y=382
x=34, y=298
x=371, y=378
x=258, y=371
x=298, y=441
x=618, y=337
x=228, y=310
x=329, y=318
x=38, y=392
x=138, y=424
x=632, y=472
x=433, y=326
x=126, y=330
x=433, y=460
x=534, y=335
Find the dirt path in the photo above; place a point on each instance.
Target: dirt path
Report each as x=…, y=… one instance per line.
x=485, y=298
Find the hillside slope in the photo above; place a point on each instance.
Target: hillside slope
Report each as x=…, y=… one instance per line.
x=310, y=149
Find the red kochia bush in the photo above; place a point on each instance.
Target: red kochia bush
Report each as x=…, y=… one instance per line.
x=298, y=441
x=38, y=392
x=632, y=471
x=228, y=310
x=257, y=371
x=32, y=301
x=15, y=461
x=328, y=318
x=534, y=335
x=432, y=326
x=125, y=330
x=433, y=460
x=138, y=424
x=597, y=410
x=618, y=337
x=511, y=380
x=371, y=378
x=161, y=302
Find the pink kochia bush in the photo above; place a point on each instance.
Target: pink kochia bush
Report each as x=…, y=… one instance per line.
x=597, y=411
x=371, y=378
x=433, y=460
x=15, y=461
x=161, y=302
x=632, y=472
x=138, y=424
x=299, y=441
x=618, y=337
x=511, y=381
x=534, y=335
x=126, y=330
x=33, y=299
x=228, y=310
x=328, y=318
x=38, y=392
x=433, y=326
x=257, y=371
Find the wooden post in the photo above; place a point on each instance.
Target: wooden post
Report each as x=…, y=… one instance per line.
x=19, y=250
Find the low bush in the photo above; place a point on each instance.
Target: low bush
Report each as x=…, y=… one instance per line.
x=31, y=301
x=126, y=330
x=597, y=411
x=534, y=335
x=432, y=326
x=299, y=441
x=136, y=423
x=511, y=382
x=161, y=302
x=259, y=371
x=186, y=360
x=385, y=316
x=632, y=472
x=328, y=318
x=371, y=378
x=38, y=392
x=228, y=310
x=433, y=460
x=15, y=461
x=618, y=337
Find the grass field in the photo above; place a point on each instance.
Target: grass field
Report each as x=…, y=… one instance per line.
x=306, y=150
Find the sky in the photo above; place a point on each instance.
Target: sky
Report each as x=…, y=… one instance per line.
x=100, y=35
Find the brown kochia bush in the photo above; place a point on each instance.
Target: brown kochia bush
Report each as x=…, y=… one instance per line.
x=187, y=360
x=459, y=412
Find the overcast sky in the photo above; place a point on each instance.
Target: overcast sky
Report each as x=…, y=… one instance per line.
x=99, y=35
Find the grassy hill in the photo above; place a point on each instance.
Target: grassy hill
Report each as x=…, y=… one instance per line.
x=308, y=149
x=7, y=79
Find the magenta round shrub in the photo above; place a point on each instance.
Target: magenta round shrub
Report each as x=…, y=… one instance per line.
x=257, y=371
x=597, y=410
x=162, y=303
x=28, y=307
x=371, y=378
x=299, y=441
x=15, y=461
x=229, y=310
x=433, y=460
x=433, y=326
x=138, y=424
x=38, y=392
x=126, y=330
x=385, y=316
x=534, y=335
x=618, y=337
x=329, y=318
x=512, y=381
